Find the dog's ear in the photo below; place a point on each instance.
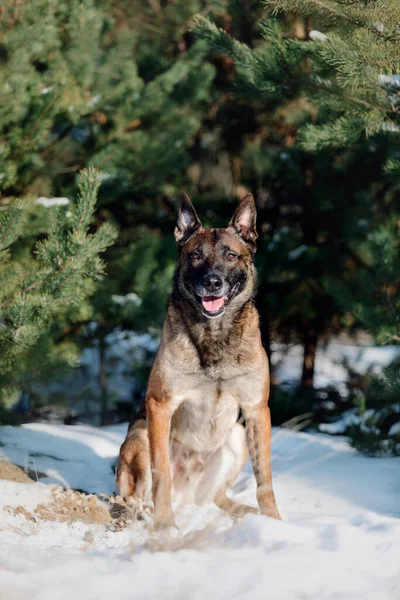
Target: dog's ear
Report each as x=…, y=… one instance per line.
x=244, y=221
x=188, y=221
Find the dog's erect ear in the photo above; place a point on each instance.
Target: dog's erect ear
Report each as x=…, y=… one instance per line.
x=244, y=220
x=188, y=221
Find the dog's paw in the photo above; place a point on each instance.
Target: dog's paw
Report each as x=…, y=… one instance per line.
x=239, y=511
x=271, y=511
x=164, y=520
x=266, y=502
x=126, y=509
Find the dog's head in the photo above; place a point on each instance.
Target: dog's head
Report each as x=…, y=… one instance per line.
x=216, y=270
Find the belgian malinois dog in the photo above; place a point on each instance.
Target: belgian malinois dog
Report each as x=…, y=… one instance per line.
x=187, y=445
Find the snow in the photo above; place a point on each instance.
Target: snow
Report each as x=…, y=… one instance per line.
x=391, y=127
x=47, y=202
x=297, y=252
x=348, y=418
x=395, y=429
x=317, y=36
x=331, y=358
x=94, y=100
x=340, y=538
x=80, y=457
x=389, y=79
x=122, y=300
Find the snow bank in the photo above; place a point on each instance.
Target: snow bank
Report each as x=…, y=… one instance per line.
x=340, y=537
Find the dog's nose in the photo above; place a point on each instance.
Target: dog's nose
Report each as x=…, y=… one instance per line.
x=212, y=282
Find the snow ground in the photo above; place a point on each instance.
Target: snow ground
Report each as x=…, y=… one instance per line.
x=340, y=538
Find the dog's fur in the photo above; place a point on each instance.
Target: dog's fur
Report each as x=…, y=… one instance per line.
x=188, y=445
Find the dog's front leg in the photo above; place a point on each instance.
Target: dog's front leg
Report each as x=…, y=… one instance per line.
x=159, y=426
x=258, y=430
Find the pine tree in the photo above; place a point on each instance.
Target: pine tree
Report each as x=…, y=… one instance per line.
x=72, y=96
x=355, y=70
x=336, y=95
x=45, y=288
x=146, y=163
x=144, y=180
x=372, y=297
x=128, y=88
x=76, y=90
x=361, y=101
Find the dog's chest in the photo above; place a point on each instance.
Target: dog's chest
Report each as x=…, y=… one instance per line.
x=212, y=362
x=205, y=416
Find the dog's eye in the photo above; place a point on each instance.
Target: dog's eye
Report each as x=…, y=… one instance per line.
x=231, y=256
x=196, y=255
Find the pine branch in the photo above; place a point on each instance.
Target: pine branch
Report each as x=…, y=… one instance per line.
x=88, y=184
x=11, y=223
x=219, y=41
x=336, y=12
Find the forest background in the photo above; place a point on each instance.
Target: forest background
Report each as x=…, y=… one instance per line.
x=108, y=109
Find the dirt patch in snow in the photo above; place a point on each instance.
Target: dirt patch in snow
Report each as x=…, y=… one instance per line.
x=20, y=510
x=68, y=506
x=12, y=472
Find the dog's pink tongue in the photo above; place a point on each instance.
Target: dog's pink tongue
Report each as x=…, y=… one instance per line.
x=212, y=303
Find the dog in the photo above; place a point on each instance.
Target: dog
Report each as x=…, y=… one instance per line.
x=188, y=444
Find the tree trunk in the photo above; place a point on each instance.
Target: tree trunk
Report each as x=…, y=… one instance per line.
x=310, y=341
x=103, y=382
